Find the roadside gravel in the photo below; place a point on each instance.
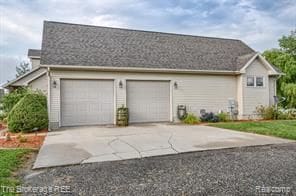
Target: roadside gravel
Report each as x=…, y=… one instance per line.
x=237, y=171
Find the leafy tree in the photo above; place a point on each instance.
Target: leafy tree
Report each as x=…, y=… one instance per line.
x=285, y=59
x=22, y=69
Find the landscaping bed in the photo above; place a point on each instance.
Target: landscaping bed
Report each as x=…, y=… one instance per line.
x=278, y=128
x=34, y=142
x=23, y=140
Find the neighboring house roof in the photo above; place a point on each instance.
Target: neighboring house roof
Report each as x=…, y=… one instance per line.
x=84, y=45
x=34, y=53
x=27, y=77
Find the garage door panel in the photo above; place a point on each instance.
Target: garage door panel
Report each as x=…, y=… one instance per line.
x=148, y=101
x=86, y=102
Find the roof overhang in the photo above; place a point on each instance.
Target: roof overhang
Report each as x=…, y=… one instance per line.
x=271, y=70
x=34, y=57
x=12, y=83
x=135, y=69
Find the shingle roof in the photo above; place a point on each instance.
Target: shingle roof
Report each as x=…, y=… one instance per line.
x=84, y=45
x=34, y=52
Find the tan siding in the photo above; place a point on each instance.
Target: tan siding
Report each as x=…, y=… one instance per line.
x=24, y=80
x=35, y=63
x=255, y=96
x=40, y=84
x=195, y=91
x=55, y=101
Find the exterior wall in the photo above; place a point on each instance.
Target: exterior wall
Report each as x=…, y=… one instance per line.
x=35, y=62
x=254, y=96
x=31, y=76
x=40, y=84
x=210, y=92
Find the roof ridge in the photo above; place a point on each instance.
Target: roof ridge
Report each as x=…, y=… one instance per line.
x=145, y=31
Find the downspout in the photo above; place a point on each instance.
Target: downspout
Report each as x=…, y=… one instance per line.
x=48, y=97
x=275, y=95
x=275, y=84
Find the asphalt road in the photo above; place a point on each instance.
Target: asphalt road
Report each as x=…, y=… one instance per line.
x=238, y=171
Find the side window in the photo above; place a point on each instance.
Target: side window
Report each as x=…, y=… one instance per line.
x=259, y=81
x=250, y=81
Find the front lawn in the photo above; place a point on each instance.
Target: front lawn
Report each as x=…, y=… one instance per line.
x=279, y=128
x=10, y=160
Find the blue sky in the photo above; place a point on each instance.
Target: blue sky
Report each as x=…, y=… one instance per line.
x=258, y=23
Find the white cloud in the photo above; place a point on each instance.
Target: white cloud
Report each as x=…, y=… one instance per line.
x=108, y=20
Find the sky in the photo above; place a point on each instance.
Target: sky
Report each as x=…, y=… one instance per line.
x=258, y=23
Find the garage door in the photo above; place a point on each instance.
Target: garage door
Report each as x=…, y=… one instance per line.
x=148, y=101
x=87, y=102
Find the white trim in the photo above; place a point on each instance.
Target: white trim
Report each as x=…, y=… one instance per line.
x=255, y=81
x=273, y=71
x=171, y=101
x=114, y=101
x=135, y=69
x=48, y=98
x=34, y=57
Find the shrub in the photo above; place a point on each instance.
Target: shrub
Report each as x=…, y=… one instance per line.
x=28, y=114
x=267, y=113
x=9, y=100
x=209, y=117
x=191, y=119
x=287, y=114
x=223, y=117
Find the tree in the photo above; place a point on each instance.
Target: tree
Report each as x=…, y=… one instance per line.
x=285, y=59
x=22, y=69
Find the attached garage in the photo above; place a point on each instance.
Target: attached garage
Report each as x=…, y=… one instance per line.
x=148, y=101
x=87, y=102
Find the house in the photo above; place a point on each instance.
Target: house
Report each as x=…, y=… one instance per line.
x=87, y=72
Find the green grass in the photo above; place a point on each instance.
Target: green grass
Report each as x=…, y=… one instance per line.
x=280, y=128
x=10, y=160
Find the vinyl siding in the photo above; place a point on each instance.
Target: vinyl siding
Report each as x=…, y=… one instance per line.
x=24, y=80
x=210, y=92
x=35, y=62
x=40, y=84
x=255, y=96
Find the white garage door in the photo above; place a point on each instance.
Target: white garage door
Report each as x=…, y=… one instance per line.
x=148, y=101
x=87, y=102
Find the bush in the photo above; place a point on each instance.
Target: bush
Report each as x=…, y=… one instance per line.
x=223, y=117
x=287, y=114
x=209, y=117
x=191, y=119
x=9, y=100
x=267, y=113
x=28, y=114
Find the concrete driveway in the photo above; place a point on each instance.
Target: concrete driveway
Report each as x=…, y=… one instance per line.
x=78, y=145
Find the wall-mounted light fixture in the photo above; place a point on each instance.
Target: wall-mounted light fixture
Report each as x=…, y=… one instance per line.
x=176, y=85
x=54, y=84
x=120, y=84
